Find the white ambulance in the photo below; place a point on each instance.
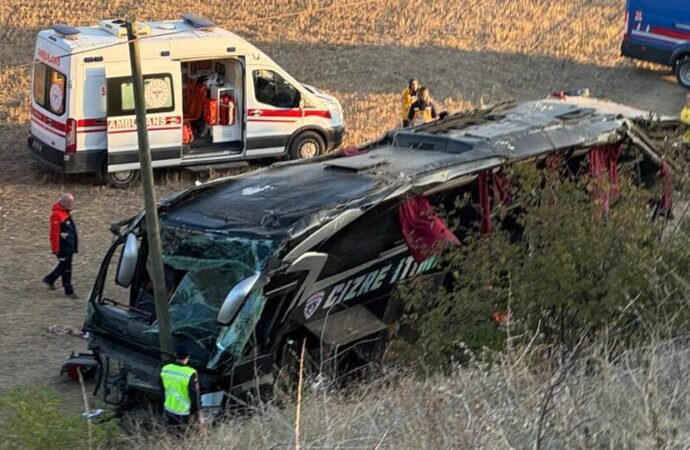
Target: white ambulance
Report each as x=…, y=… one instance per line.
x=212, y=98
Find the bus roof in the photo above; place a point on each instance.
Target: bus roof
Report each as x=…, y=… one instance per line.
x=286, y=200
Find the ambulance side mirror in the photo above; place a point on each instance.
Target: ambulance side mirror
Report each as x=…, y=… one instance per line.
x=128, y=261
x=235, y=299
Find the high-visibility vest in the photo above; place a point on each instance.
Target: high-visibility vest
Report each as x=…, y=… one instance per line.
x=685, y=119
x=176, y=381
x=407, y=100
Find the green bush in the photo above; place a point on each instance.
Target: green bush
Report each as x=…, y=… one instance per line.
x=36, y=418
x=573, y=272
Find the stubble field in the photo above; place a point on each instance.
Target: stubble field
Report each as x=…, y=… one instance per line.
x=468, y=53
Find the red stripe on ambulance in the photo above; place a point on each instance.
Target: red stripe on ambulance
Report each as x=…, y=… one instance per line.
x=150, y=129
x=45, y=120
x=296, y=113
x=93, y=130
x=84, y=123
x=271, y=120
x=47, y=128
x=129, y=124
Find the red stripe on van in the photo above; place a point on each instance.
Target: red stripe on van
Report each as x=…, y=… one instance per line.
x=93, y=130
x=39, y=116
x=92, y=122
x=671, y=33
x=292, y=113
x=150, y=129
x=46, y=127
x=271, y=120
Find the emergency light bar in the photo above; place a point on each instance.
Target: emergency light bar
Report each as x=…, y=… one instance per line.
x=116, y=27
x=65, y=30
x=198, y=22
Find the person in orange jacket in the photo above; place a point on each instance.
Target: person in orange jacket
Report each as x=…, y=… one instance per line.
x=409, y=96
x=64, y=243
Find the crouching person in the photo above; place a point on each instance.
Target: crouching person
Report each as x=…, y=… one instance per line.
x=181, y=392
x=424, y=109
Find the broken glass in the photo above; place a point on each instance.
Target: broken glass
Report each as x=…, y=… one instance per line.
x=206, y=267
x=234, y=337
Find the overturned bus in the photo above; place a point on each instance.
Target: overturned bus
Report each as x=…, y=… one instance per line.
x=312, y=251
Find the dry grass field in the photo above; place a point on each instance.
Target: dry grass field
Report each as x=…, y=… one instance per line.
x=506, y=405
x=468, y=52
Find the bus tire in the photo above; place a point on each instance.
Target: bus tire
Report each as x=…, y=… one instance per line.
x=307, y=144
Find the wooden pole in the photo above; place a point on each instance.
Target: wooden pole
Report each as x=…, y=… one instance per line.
x=155, y=266
x=298, y=413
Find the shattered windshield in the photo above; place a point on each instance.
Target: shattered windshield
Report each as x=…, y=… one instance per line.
x=200, y=270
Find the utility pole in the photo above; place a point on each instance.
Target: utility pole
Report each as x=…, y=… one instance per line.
x=155, y=266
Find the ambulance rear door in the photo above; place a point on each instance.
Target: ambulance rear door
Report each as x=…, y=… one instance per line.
x=163, y=94
x=49, y=99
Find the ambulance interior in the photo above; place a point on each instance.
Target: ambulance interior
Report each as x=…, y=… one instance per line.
x=212, y=101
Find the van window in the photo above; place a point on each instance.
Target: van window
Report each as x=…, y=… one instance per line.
x=272, y=89
x=158, y=93
x=49, y=88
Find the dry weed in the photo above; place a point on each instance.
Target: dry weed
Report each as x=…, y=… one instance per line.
x=639, y=399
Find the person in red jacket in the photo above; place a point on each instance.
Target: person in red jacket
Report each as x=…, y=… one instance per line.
x=64, y=242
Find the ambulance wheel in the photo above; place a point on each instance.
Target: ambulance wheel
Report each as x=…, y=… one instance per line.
x=683, y=72
x=306, y=145
x=121, y=179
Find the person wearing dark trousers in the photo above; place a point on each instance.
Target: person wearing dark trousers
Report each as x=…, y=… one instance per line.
x=181, y=393
x=64, y=243
x=423, y=110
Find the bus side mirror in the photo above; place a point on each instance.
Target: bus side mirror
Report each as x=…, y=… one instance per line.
x=235, y=299
x=128, y=261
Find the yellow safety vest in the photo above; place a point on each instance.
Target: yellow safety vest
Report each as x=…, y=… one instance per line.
x=407, y=100
x=685, y=119
x=176, y=381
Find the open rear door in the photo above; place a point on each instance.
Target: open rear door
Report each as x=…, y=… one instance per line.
x=163, y=93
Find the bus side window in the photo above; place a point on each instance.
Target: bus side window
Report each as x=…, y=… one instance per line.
x=363, y=240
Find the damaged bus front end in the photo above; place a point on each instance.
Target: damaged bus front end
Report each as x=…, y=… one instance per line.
x=241, y=259
x=214, y=284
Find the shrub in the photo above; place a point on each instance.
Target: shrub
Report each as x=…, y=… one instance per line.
x=572, y=273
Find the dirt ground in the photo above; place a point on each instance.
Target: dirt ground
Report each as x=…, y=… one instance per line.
x=469, y=53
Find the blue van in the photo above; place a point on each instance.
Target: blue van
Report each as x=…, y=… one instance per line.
x=659, y=31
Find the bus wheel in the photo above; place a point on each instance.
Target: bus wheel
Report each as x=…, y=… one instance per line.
x=683, y=72
x=307, y=145
x=121, y=179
